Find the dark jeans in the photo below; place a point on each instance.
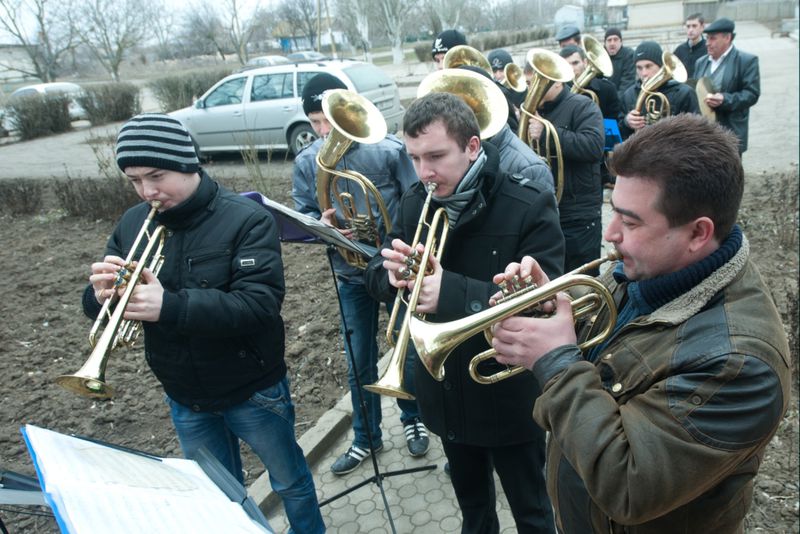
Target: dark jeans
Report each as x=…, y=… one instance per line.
x=582, y=243
x=521, y=472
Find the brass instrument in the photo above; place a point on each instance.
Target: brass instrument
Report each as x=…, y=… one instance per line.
x=548, y=68
x=435, y=341
x=466, y=55
x=652, y=104
x=514, y=78
x=391, y=382
x=703, y=88
x=599, y=62
x=481, y=94
x=353, y=118
x=89, y=380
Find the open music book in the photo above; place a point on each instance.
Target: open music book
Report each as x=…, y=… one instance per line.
x=97, y=487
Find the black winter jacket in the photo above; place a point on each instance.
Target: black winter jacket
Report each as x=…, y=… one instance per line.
x=505, y=221
x=220, y=336
x=689, y=54
x=579, y=125
x=681, y=97
x=624, y=69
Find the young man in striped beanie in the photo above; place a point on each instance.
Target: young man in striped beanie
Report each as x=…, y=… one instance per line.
x=213, y=332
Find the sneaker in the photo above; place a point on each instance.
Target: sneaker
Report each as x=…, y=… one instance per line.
x=351, y=459
x=416, y=437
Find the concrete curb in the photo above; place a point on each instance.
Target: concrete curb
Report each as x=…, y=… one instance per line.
x=315, y=442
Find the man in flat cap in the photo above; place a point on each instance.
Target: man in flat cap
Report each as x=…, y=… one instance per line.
x=624, y=75
x=568, y=35
x=444, y=42
x=681, y=98
x=734, y=76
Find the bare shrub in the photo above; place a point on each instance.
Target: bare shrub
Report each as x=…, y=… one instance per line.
x=97, y=199
x=110, y=102
x=38, y=115
x=176, y=92
x=20, y=197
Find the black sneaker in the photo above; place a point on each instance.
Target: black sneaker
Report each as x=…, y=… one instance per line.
x=416, y=437
x=351, y=459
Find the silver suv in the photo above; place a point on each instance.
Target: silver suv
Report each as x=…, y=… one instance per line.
x=261, y=108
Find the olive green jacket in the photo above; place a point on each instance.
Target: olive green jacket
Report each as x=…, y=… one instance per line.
x=665, y=432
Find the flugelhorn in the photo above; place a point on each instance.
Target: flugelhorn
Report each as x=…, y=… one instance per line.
x=89, y=380
x=353, y=119
x=435, y=341
x=480, y=93
x=599, y=62
x=652, y=104
x=548, y=68
x=391, y=382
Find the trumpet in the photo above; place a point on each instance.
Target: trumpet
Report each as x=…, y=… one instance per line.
x=599, y=62
x=89, y=380
x=651, y=103
x=435, y=341
x=548, y=68
x=391, y=382
x=353, y=118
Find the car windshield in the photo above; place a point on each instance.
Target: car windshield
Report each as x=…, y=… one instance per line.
x=367, y=77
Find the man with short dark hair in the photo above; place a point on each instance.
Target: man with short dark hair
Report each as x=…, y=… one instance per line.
x=444, y=42
x=694, y=47
x=664, y=424
x=568, y=35
x=492, y=217
x=622, y=59
x=604, y=89
x=681, y=98
x=735, y=77
x=387, y=166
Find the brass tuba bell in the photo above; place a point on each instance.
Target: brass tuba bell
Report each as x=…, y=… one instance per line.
x=548, y=68
x=514, y=78
x=353, y=119
x=480, y=93
x=466, y=55
x=599, y=62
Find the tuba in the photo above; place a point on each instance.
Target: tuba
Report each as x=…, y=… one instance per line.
x=435, y=341
x=353, y=118
x=651, y=103
x=89, y=380
x=599, y=63
x=480, y=93
x=466, y=55
x=391, y=382
x=548, y=68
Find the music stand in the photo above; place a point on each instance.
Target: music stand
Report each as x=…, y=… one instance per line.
x=299, y=228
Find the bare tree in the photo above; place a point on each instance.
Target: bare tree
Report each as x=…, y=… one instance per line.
x=355, y=15
x=162, y=24
x=448, y=12
x=301, y=17
x=53, y=37
x=394, y=16
x=204, y=31
x=240, y=28
x=110, y=28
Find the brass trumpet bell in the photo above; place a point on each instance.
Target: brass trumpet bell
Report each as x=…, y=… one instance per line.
x=515, y=78
x=481, y=94
x=650, y=102
x=466, y=55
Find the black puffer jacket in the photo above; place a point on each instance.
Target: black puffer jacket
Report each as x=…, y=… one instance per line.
x=579, y=125
x=220, y=336
x=681, y=97
x=504, y=221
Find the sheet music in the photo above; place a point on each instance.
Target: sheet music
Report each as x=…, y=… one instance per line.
x=95, y=488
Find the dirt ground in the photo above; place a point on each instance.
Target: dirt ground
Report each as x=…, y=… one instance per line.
x=43, y=334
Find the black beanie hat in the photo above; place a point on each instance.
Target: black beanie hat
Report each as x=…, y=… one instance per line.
x=612, y=31
x=499, y=58
x=156, y=140
x=447, y=40
x=649, y=50
x=315, y=87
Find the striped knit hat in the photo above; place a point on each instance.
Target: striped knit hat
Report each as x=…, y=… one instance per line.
x=156, y=140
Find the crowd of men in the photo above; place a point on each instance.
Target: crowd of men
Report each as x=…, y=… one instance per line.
x=662, y=422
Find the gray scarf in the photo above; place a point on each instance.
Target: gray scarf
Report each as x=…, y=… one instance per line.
x=469, y=184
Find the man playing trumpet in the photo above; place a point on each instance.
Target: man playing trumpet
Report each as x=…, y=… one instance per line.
x=664, y=423
x=493, y=218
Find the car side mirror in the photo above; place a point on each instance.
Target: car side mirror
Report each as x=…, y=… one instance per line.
x=199, y=104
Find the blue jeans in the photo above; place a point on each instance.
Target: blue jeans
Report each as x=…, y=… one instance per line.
x=265, y=422
x=361, y=317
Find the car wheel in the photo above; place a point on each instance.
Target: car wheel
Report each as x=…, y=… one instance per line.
x=301, y=136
